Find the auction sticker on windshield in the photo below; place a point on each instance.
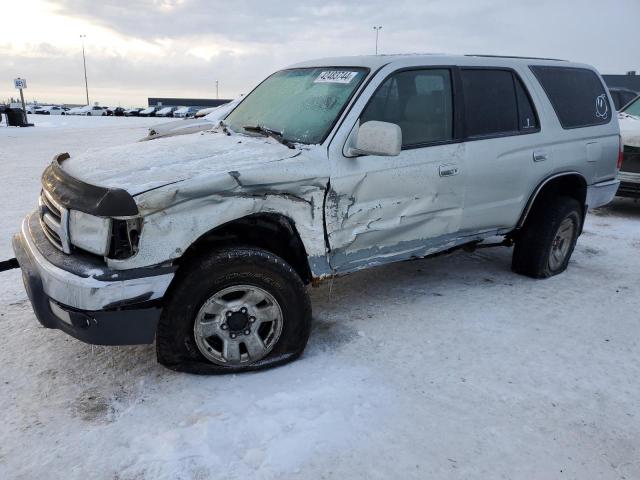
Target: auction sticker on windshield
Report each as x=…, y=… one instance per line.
x=335, y=76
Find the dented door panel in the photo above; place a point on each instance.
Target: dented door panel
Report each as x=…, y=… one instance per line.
x=379, y=208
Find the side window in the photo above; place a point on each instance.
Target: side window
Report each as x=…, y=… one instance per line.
x=490, y=104
x=419, y=101
x=577, y=95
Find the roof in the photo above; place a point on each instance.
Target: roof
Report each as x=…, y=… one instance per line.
x=374, y=62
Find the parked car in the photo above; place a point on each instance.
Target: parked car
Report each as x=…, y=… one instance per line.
x=88, y=111
x=205, y=242
x=133, y=112
x=629, y=174
x=31, y=109
x=74, y=110
x=166, y=112
x=148, y=112
x=621, y=96
x=51, y=110
x=185, y=112
x=114, y=111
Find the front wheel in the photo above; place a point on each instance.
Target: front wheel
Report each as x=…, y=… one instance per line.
x=235, y=310
x=544, y=246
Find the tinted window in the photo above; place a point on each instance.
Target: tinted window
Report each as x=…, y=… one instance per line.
x=577, y=95
x=419, y=101
x=490, y=105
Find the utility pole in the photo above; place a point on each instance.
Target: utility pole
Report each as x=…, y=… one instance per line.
x=217, y=96
x=84, y=62
x=377, y=29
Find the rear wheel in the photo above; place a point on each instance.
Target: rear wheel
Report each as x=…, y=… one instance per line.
x=235, y=310
x=544, y=246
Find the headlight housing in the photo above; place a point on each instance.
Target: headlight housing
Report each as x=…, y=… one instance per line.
x=89, y=232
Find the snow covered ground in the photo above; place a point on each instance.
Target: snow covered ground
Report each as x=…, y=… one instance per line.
x=452, y=367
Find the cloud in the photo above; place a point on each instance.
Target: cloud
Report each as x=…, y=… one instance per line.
x=140, y=48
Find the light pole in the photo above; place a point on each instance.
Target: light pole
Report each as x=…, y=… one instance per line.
x=217, y=96
x=84, y=62
x=377, y=29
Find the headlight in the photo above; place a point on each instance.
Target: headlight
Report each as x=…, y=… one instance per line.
x=89, y=232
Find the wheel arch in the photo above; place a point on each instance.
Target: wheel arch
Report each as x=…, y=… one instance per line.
x=274, y=232
x=572, y=184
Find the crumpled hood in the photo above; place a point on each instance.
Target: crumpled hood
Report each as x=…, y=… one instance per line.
x=143, y=166
x=629, y=130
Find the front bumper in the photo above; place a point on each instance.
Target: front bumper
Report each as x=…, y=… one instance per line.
x=600, y=194
x=95, y=305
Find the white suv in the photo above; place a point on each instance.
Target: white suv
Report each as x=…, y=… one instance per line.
x=205, y=242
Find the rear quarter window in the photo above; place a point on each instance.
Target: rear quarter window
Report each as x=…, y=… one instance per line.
x=577, y=94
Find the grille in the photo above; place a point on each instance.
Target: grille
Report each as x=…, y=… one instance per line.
x=54, y=220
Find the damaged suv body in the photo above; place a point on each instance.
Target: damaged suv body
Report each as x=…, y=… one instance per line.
x=205, y=242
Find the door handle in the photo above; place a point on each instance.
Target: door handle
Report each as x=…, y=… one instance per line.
x=539, y=156
x=448, y=170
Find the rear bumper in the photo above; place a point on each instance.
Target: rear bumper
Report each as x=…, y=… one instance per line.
x=600, y=194
x=100, y=312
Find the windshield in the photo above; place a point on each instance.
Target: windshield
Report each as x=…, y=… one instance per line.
x=302, y=103
x=633, y=108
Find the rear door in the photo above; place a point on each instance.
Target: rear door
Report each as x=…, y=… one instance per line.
x=503, y=147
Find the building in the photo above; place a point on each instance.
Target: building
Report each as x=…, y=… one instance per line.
x=630, y=81
x=186, y=102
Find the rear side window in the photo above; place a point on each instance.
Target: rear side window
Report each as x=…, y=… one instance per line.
x=577, y=95
x=496, y=103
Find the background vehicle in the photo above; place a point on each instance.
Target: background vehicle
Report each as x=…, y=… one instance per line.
x=88, y=111
x=185, y=112
x=114, y=111
x=51, y=110
x=147, y=112
x=205, y=242
x=629, y=174
x=132, y=112
x=621, y=96
x=166, y=112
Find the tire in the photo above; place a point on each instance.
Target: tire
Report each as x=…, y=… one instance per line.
x=88, y=114
x=544, y=246
x=200, y=287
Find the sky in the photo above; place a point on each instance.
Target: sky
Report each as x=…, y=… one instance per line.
x=179, y=48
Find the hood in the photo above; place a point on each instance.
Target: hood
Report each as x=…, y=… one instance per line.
x=144, y=166
x=629, y=130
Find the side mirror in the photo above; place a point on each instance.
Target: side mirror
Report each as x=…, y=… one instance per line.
x=377, y=138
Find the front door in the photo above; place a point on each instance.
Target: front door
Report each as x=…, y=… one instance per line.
x=381, y=209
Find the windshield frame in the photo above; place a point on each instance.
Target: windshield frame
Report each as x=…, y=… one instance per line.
x=363, y=82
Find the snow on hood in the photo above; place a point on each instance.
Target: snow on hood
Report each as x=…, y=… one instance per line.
x=144, y=166
x=629, y=129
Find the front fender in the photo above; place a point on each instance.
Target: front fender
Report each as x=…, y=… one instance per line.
x=175, y=216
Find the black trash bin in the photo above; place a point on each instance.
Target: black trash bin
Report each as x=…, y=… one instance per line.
x=17, y=118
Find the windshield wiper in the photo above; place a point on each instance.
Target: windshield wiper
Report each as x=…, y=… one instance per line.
x=269, y=132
